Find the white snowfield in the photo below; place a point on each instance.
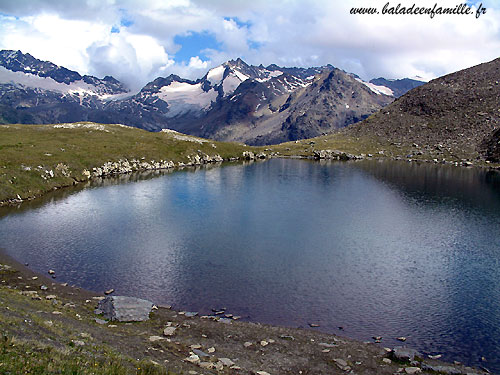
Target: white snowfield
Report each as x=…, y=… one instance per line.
x=215, y=75
x=46, y=83
x=379, y=90
x=184, y=97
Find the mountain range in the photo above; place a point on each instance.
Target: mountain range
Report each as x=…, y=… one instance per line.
x=232, y=102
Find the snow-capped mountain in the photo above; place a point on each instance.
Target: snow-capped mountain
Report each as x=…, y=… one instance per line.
x=399, y=87
x=24, y=70
x=233, y=101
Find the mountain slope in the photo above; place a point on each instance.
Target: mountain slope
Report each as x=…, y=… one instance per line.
x=457, y=113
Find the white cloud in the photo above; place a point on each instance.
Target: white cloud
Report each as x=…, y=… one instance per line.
x=286, y=32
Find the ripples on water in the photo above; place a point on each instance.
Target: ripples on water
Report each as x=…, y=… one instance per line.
x=385, y=249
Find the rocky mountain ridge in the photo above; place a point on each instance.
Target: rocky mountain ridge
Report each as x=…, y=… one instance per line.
x=231, y=102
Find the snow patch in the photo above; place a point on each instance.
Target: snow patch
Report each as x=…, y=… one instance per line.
x=46, y=83
x=242, y=77
x=379, y=90
x=215, y=75
x=231, y=83
x=184, y=97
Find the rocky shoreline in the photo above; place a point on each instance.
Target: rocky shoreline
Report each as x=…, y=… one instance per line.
x=36, y=309
x=125, y=166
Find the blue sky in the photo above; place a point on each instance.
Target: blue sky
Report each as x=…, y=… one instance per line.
x=195, y=44
x=137, y=41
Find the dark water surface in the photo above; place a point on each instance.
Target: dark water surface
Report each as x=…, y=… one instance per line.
x=385, y=249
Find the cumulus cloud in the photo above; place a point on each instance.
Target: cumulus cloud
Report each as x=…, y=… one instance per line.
x=77, y=34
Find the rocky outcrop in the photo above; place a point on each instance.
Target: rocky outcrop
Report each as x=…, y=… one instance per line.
x=125, y=309
x=123, y=166
x=335, y=155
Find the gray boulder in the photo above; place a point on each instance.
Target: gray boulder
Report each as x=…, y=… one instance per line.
x=404, y=354
x=125, y=309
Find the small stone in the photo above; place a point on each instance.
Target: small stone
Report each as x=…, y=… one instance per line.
x=64, y=284
x=34, y=278
x=100, y=321
x=190, y=314
x=98, y=311
x=225, y=321
x=169, y=331
x=402, y=338
x=109, y=291
x=195, y=346
x=247, y=344
x=56, y=313
x=200, y=354
x=112, y=326
x=206, y=365
x=405, y=354
x=219, y=366
x=193, y=359
x=325, y=351
x=288, y=337
x=327, y=345
x=52, y=272
x=271, y=341
x=43, y=287
x=192, y=372
x=387, y=361
x=313, y=325
x=226, y=362
x=78, y=342
x=48, y=323
x=340, y=362
x=211, y=350
x=264, y=343
x=413, y=370
x=377, y=338
x=262, y=373
x=155, y=338
x=437, y=356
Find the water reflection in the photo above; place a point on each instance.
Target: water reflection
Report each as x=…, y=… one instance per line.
x=384, y=249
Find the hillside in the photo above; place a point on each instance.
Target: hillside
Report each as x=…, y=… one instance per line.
x=455, y=116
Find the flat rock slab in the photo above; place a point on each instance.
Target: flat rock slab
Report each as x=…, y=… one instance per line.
x=125, y=309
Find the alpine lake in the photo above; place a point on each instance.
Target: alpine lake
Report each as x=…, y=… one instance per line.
x=361, y=249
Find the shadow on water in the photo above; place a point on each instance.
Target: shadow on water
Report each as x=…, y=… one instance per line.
x=437, y=181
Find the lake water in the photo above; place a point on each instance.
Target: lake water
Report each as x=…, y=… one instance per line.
x=378, y=248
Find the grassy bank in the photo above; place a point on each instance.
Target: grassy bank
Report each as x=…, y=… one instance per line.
x=35, y=159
